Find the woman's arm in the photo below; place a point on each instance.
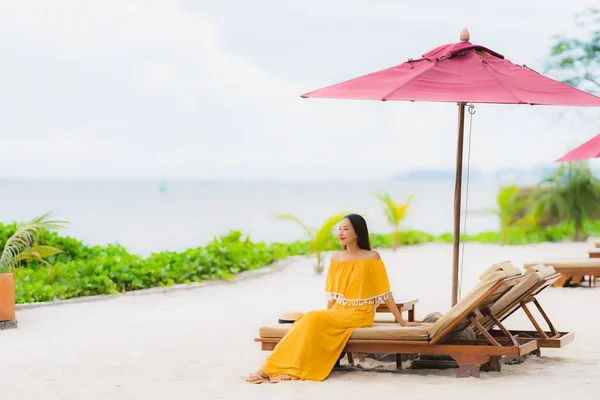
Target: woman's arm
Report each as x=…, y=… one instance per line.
x=391, y=304
x=330, y=304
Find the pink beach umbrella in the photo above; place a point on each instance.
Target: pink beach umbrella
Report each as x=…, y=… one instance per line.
x=460, y=73
x=590, y=149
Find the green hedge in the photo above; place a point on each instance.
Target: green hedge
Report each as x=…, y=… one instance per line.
x=83, y=270
x=87, y=271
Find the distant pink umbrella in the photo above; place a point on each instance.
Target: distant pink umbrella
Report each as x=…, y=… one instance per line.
x=460, y=72
x=590, y=149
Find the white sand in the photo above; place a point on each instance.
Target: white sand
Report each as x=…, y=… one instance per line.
x=198, y=344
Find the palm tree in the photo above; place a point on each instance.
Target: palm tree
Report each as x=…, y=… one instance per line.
x=512, y=211
x=318, y=239
x=571, y=193
x=394, y=213
x=22, y=245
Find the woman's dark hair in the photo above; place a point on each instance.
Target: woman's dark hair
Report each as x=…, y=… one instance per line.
x=360, y=228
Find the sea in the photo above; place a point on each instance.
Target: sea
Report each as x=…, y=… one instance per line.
x=151, y=216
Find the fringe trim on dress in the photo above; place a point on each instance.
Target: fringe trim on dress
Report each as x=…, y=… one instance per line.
x=339, y=298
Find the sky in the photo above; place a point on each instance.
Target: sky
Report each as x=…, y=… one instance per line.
x=205, y=89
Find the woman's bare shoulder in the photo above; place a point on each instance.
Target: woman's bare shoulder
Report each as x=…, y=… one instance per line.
x=337, y=256
x=373, y=255
x=366, y=254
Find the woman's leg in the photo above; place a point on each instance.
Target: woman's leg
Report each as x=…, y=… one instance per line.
x=311, y=347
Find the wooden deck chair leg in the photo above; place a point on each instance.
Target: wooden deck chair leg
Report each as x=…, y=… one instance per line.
x=472, y=364
x=553, y=330
x=359, y=357
x=469, y=364
x=562, y=281
x=492, y=366
x=483, y=331
x=533, y=321
x=497, y=322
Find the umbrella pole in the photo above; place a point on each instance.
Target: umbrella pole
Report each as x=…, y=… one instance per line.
x=457, y=200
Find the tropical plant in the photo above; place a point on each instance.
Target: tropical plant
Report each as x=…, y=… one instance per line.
x=318, y=239
x=571, y=193
x=513, y=211
x=577, y=59
x=394, y=213
x=23, y=244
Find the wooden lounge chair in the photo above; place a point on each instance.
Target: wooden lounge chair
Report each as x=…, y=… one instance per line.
x=573, y=271
x=536, y=279
x=440, y=337
x=594, y=253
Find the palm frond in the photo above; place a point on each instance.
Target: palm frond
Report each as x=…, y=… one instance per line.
x=24, y=239
x=528, y=221
x=324, y=232
x=38, y=252
x=393, y=211
x=402, y=209
x=389, y=207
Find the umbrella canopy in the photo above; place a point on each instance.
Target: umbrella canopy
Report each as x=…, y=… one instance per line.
x=590, y=149
x=460, y=72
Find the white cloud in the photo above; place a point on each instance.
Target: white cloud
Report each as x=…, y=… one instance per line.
x=145, y=88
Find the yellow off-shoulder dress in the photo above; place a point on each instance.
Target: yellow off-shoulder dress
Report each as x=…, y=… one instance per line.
x=315, y=341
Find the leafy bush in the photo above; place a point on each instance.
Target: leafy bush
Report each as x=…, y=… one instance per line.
x=83, y=270
x=112, y=269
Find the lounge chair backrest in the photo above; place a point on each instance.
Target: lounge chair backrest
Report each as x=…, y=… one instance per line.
x=545, y=270
x=533, y=279
x=488, y=280
x=498, y=267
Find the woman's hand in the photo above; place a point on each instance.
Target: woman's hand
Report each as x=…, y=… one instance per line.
x=406, y=323
x=391, y=303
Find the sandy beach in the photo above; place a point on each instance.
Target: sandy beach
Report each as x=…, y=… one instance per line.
x=198, y=344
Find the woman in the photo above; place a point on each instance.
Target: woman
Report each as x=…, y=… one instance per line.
x=356, y=284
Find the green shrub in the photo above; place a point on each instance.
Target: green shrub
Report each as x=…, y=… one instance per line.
x=83, y=270
x=113, y=270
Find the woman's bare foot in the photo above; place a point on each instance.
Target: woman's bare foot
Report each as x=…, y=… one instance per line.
x=257, y=377
x=280, y=378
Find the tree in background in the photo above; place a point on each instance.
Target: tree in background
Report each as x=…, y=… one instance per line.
x=571, y=193
x=576, y=61
x=513, y=211
x=320, y=238
x=394, y=213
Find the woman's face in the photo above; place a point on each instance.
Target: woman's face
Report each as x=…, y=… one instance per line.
x=346, y=233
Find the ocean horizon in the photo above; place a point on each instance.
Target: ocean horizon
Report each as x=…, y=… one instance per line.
x=153, y=215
